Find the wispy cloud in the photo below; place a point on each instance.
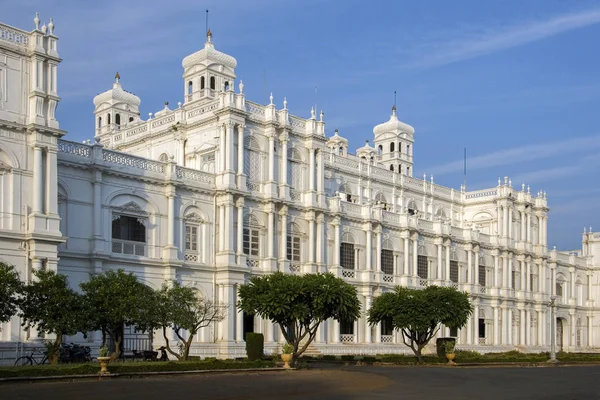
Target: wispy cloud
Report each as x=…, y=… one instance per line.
x=491, y=41
x=520, y=154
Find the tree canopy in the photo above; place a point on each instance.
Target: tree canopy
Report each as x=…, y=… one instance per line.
x=116, y=298
x=299, y=303
x=10, y=290
x=53, y=307
x=184, y=309
x=417, y=314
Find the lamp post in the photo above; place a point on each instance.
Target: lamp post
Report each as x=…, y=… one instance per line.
x=553, y=330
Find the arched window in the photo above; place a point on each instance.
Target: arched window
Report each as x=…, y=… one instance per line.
x=341, y=151
x=251, y=239
x=129, y=235
x=399, y=168
x=392, y=167
x=252, y=164
x=400, y=147
x=345, y=192
x=422, y=263
x=379, y=149
x=202, y=82
x=213, y=83
x=392, y=147
x=190, y=87
x=108, y=119
x=130, y=119
x=164, y=157
x=408, y=149
x=226, y=86
x=347, y=256
x=99, y=122
x=118, y=119
x=411, y=208
x=293, y=247
x=559, y=289
x=408, y=171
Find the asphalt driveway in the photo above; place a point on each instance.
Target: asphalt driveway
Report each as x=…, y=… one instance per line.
x=581, y=382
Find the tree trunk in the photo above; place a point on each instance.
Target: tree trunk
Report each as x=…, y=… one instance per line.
x=186, y=349
x=164, y=329
x=53, y=356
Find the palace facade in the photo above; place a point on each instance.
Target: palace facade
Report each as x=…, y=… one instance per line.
x=218, y=188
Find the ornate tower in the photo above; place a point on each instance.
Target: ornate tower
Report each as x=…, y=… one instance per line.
x=394, y=144
x=207, y=72
x=115, y=109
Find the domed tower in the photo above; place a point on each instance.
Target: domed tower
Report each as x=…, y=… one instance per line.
x=115, y=109
x=207, y=72
x=394, y=144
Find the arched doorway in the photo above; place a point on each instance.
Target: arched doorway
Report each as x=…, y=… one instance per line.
x=559, y=334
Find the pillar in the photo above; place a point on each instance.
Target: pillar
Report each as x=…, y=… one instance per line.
x=229, y=227
x=51, y=182
x=439, y=262
x=311, y=239
x=407, y=257
x=240, y=227
x=320, y=172
x=496, y=263
x=500, y=221
x=447, y=263
x=321, y=241
x=378, y=250
x=270, y=234
x=38, y=180
x=283, y=178
x=283, y=240
x=336, y=247
x=476, y=268
x=415, y=256
x=335, y=331
x=528, y=339
x=229, y=144
x=171, y=218
x=239, y=323
x=311, y=177
x=528, y=277
x=522, y=321
x=505, y=325
x=369, y=254
x=523, y=232
x=222, y=148
x=476, y=324
x=368, y=301
x=495, y=322
x=229, y=299
x=240, y=150
x=97, y=205
x=590, y=338
x=505, y=227
x=271, y=158
x=221, y=227
x=541, y=328
x=529, y=227
x=470, y=329
x=469, y=266
x=509, y=339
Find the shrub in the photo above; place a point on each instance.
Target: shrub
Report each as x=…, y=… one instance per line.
x=255, y=346
x=440, y=344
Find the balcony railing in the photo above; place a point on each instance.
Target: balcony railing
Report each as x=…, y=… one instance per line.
x=191, y=257
x=129, y=247
x=347, y=338
x=387, y=338
x=252, y=263
x=295, y=268
x=348, y=273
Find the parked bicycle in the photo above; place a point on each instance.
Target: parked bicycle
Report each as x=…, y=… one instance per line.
x=32, y=359
x=74, y=353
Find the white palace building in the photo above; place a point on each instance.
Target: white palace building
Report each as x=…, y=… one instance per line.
x=218, y=188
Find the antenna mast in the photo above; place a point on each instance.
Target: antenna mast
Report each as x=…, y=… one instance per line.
x=465, y=171
x=394, y=98
x=206, y=22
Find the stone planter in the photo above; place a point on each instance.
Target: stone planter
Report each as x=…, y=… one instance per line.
x=104, y=365
x=450, y=357
x=286, y=358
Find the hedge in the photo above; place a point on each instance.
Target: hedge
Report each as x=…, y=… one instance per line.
x=255, y=346
x=132, y=367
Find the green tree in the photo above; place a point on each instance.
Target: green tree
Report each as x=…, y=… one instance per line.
x=53, y=307
x=186, y=311
x=116, y=298
x=10, y=290
x=299, y=303
x=417, y=314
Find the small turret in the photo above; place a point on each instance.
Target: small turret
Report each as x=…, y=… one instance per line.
x=115, y=109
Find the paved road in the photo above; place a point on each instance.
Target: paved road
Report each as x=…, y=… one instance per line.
x=347, y=383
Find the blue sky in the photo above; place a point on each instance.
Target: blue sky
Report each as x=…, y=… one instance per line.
x=515, y=81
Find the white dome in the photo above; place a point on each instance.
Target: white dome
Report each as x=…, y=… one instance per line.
x=365, y=149
x=117, y=95
x=208, y=53
x=337, y=139
x=393, y=125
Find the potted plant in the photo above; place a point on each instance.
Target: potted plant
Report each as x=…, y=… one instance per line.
x=103, y=359
x=449, y=347
x=287, y=350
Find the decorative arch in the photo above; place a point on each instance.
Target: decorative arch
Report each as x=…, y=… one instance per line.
x=294, y=228
x=348, y=237
x=164, y=157
x=121, y=197
x=251, y=143
x=387, y=244
x=411, y=207
x=380, y=198
x=8, y=158
x=441, y=213
x=296, y=155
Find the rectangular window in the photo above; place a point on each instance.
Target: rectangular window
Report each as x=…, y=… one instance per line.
x=482, y=276
x=513, y=279
x=387, y=262
x=251, y=242
x=454, y=271
x=128, y=228
x=422, y=267
x=293, y=248
x=453, y=332
x=387, y=327
x=346, y=327
x=481, y=328
x=347, y=255
x=191, y=238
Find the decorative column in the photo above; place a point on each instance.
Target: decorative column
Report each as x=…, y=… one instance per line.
x=241, y=177
x=589, y=285
x=496, y=263
x=239, y=321
x=312, y=168
x=476, y=267
x=529, y=227
x=271, y=158
x=505, y=228
x=229, y=143
x=510, y=224
x=240, y=228
x=470, y=329
x=495, y=322
x=221, y=209
x=439, y=262
x=528, y=277
x=320, y=178
x=38, y=181
x=415, y=257
x=476, y=324
x=448, y=263
x=590, y=338
x=97, y=223
x=222, y=149
x=369, y=253
x=336, y=246
x=522, y=320
x=335, y=331
x=283, y=174
x=505, y=325
x=311, y=238
x=322, y=241
x=469, y=266
x=407, y=270
x=378, y=249
x=368, y=302
x=500, y=232
x=283, y=240
x=229, y=226
x=528, y=339
x=51, y=182
x=270, y=233
x=510, y=326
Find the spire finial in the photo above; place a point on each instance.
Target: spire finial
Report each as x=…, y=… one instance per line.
x=208, y=32
x=321, y=116
x=36, y=21
x=271, y=98
x=285, y=103
x=117, y=77
x=241, y=86
x=312, y=112
x=51, y=26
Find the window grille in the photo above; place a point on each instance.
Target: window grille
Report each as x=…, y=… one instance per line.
x=347, y=255
x=422, y=267
x=559, y=290
x=191, y=238
x=293, y=248
x=387, y=262
x=454, y=271
x=482, y=273
x=513, y=279
x=251, y=241
x=125, y=227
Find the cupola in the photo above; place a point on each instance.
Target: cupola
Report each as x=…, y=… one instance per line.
x=115, y=108
x=394, y=144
